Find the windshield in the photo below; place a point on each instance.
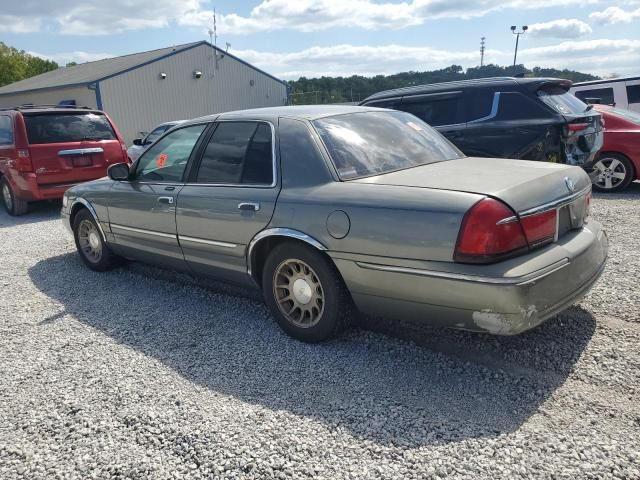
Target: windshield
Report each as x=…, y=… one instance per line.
x=67, y=127
x=369, y=143
x=626, y=114
x=562, y=101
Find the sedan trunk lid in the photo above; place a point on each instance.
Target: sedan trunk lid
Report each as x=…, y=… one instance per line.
x=521, y=184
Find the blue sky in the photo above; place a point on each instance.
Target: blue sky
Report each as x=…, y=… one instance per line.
x=334, y=37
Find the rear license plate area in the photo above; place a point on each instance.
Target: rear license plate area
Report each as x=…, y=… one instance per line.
x=571, y=216
x=82, y=162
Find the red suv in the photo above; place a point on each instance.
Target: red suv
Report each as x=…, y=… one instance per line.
x=45, y=150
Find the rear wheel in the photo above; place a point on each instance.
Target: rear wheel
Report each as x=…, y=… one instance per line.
x=93, y=250
x=12, y=204
x=614, y=172
x=305, y=293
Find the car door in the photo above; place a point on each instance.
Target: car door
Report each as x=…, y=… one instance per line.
x=142, y=209
x=230, y=196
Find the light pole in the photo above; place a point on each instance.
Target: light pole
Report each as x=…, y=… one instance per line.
x=517, y=34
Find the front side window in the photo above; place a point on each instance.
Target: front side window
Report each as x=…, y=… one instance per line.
x=633, y=93
x=238, y=153
x=57, y=127
x=155, y=134
x=597, y=95
x=370, y=143
x=167, y=159
x=6, y=130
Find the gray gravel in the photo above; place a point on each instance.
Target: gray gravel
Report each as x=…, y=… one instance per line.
x=144, y=373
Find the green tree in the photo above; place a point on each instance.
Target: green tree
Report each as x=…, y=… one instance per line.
x=17, y=65
x=356, y=88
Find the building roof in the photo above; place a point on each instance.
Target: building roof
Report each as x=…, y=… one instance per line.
x=462, y=84
x=90, y=72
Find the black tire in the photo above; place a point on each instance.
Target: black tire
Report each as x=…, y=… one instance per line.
x=336, y=305
x=88, y=237
x=621, y=165
x=12, y=204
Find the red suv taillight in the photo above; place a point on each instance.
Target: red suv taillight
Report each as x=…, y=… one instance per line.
x=23, y=162
x=491, y=231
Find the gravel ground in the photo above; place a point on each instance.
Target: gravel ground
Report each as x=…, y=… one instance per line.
x=143, y=373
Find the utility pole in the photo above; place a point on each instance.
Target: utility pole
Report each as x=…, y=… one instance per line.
x=215, y=38
x=482, y=51
x=517, y=34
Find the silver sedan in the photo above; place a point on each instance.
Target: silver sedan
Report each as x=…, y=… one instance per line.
x=334, y=209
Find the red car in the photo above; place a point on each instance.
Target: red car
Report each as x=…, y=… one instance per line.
x=618, y=163
x=46, y=150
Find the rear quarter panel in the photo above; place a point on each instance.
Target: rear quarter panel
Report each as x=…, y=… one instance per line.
x=384, y=220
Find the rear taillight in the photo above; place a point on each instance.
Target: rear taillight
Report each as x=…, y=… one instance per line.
x=23, y=163
x=576, y=127
x=490, y=230
x=540, y=228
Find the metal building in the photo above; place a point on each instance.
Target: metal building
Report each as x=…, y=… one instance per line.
x=144, y=89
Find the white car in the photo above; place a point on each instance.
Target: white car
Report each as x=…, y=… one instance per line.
x=141, y=144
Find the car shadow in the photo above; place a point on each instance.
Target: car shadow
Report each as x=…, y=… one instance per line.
x=629, y=193
x=409, y=386
x=38, y=212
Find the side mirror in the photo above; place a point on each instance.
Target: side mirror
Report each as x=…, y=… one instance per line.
x=137, y=141
x=118, y=172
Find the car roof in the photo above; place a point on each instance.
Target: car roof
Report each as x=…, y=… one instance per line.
x=42, y=109
x=530, y=83
x=301, y=112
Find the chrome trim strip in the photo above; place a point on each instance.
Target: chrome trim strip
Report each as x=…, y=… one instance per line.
x=143, y=231
x=79, y=151
x=463, y=277
x=207, y=242
x=504, y=221
x=556, y=203
x=494, y=109
x=278, y=232
x=92, y=211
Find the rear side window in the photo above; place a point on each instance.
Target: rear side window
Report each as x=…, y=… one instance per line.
x=434, y=112
x=633, y=93
x=67, y=127
x=515, y=106
x=561, y=101
x=238, y=153
x=6, y=130
x=478, y=105
x=602, y=95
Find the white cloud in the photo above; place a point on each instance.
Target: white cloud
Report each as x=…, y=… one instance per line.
x=600, y=57
x=347, y=60
x=314, y=15
x=562, y=28
x=78, y=57
x=592, y=56
x=614, y=15
x=74, y=17
x=17, y=24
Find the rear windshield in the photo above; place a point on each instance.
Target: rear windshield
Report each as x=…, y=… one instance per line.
x=67, y=127
x=369, y=143
x=626, y=114
x=562, y=101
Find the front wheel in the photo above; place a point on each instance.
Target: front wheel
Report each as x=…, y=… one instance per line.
x=614, y=172
x=93, y=250
x=305, y=293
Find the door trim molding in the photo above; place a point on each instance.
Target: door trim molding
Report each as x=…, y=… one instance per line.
x=143, y=231
x=215, y=243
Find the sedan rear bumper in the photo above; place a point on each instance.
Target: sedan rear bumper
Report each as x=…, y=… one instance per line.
x=526, y=291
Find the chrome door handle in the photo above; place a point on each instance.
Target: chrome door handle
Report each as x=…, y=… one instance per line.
x=252, y=206
x=168, y=200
